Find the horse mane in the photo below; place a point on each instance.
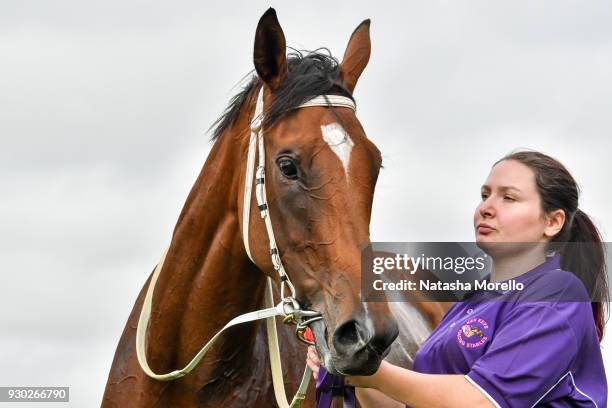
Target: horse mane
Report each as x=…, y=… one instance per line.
x=309, y=75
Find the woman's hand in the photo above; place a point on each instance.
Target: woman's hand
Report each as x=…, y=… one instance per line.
x=312, y=361
x=369, y=381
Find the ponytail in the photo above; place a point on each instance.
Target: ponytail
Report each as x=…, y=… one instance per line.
x=588, y=262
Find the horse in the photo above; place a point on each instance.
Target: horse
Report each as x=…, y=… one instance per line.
x=321, y=170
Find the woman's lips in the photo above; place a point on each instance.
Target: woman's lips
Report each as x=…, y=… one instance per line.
x=484, y=229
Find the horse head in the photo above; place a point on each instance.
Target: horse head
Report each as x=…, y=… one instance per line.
x=321, y=170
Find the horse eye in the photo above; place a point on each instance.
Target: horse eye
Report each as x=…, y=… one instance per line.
x=288, y=168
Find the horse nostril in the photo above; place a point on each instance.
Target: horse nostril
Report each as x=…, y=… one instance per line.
x=349, y=335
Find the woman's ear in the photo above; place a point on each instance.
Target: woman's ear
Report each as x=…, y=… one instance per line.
x=269, y=52
x=554, y=223
x=356, y=56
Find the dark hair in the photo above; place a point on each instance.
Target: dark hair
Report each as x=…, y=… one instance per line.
x=558, y=190
x=310, y=75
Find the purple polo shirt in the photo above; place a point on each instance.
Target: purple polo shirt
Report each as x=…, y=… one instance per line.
x=519, y=350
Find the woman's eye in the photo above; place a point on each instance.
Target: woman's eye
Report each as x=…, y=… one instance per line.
x=288, y=168
x=483, y=196
x=508, y=198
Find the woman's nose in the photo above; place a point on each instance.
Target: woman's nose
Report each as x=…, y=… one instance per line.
x=487, y=208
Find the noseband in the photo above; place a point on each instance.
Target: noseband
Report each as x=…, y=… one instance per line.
x=289, y=308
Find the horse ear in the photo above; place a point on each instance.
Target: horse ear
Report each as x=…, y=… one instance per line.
x=356, y=56
x=269, y=53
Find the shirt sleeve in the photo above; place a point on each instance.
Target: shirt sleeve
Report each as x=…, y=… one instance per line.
x=531, y=351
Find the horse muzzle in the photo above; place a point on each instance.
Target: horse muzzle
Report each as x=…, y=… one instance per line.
x=356, y=348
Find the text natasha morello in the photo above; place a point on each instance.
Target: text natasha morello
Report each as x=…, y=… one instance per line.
x=457, y=285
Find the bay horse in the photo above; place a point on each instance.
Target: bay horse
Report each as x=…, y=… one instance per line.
x=320, y=179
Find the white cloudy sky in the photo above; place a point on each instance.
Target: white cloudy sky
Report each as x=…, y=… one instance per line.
x=104, y=107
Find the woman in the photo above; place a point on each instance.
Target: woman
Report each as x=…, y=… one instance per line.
x=522, y=353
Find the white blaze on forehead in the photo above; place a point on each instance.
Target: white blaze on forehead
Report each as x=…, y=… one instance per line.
x=339, y=142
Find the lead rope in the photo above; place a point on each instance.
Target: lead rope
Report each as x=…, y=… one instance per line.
x=288, y=306
x=143, y=322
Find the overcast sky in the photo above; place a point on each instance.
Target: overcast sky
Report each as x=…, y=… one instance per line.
x=104, y=108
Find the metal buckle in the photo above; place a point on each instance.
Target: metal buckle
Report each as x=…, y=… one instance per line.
x=300, y=318
x=256, y=123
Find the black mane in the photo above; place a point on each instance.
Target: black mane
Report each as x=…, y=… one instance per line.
x=308, y=76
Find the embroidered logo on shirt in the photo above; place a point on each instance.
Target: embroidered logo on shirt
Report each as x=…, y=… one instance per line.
x=473, y=333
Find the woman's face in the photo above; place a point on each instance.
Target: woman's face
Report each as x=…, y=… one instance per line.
x=510, y=210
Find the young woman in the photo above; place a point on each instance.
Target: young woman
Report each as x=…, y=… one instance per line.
x=523, y=353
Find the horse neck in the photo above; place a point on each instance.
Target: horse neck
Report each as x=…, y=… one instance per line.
x=207, y=278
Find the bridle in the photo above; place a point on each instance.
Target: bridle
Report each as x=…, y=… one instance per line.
x=288, y=307
x=293, y=312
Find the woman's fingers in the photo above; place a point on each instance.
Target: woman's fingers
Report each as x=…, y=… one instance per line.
x=312, y=361
x=314, y=368
x=312, y=353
